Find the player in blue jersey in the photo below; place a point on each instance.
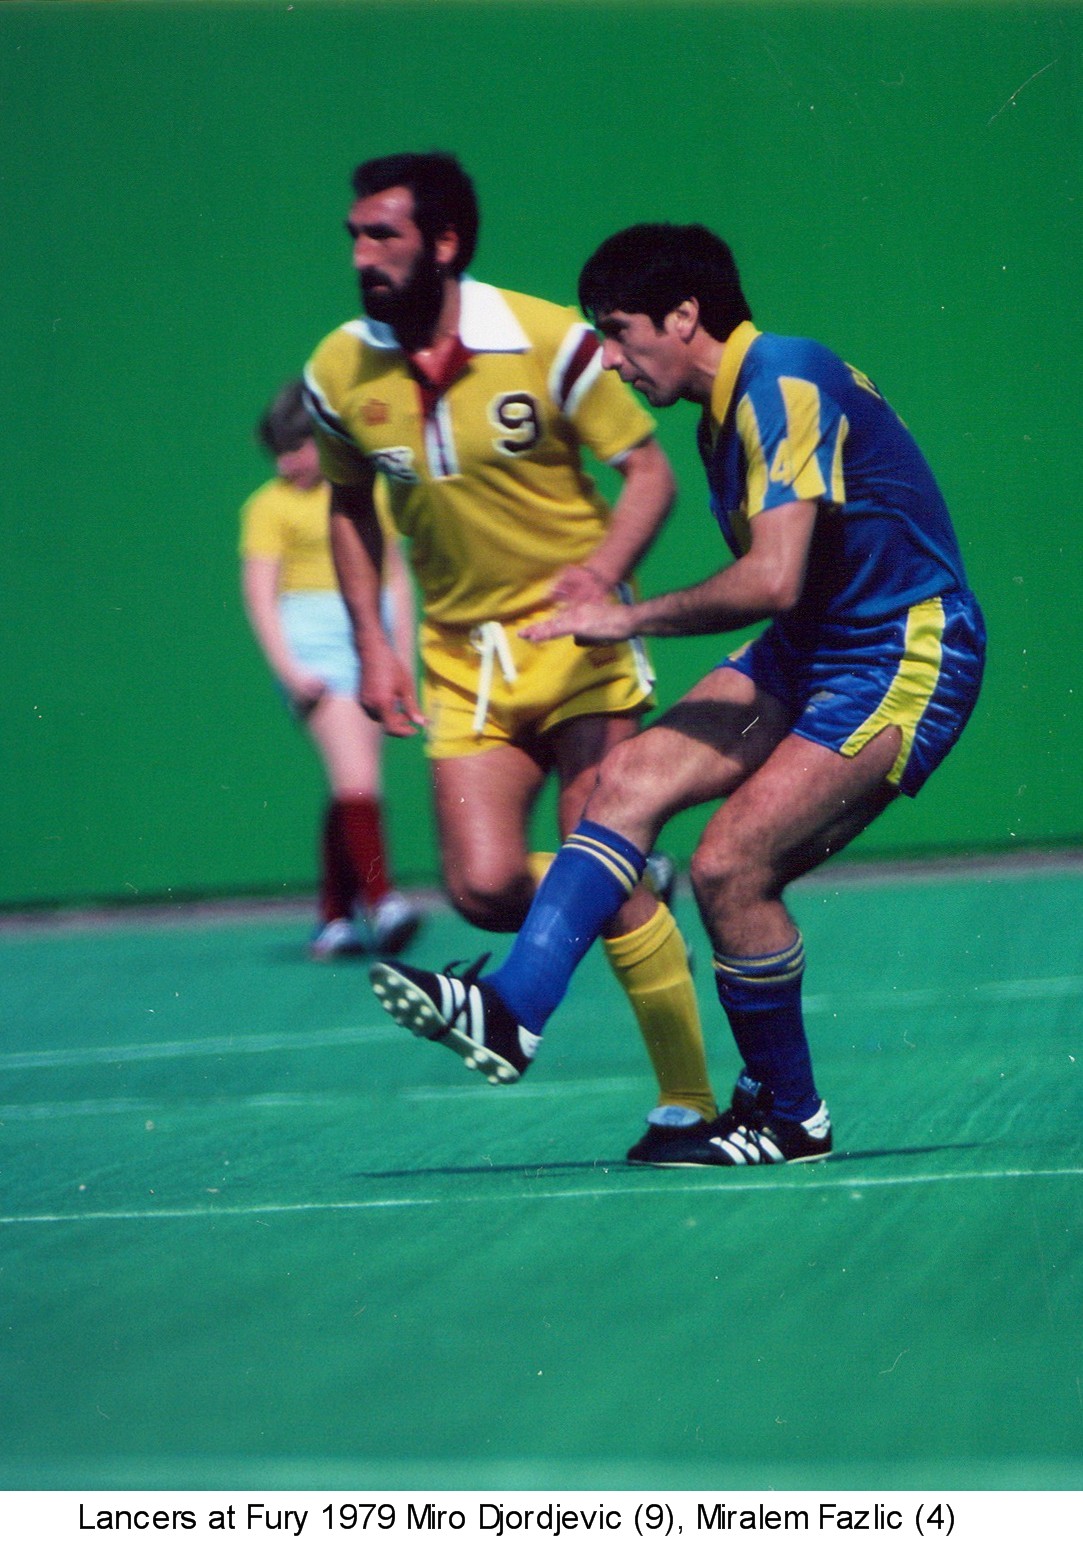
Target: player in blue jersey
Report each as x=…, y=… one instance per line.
x=854, y=693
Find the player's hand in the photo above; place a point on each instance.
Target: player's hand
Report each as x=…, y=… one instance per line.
x=588, y=623
x=388, y=694
x=579, y=585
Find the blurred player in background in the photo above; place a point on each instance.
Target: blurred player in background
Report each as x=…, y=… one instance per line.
x=300, y=622
x=469, y=405
x=853, y=694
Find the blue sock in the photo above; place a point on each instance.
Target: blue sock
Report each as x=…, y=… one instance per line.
x=762, y=1000
x=591, y=877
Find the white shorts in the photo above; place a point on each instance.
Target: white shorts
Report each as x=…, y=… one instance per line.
x=320, y=637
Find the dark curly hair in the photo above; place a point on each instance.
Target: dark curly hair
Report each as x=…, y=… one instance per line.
x=443, y=193
x=653, y=267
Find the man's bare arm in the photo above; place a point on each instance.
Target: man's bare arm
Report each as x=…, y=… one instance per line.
x=388, y=693
x=767, y=581
x=357, y=546
x=645, y=501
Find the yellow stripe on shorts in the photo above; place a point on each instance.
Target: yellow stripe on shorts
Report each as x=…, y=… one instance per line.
x=912, y=689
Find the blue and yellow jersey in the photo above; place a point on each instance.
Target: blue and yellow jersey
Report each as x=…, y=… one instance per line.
x=485, y=478
x=790, y=421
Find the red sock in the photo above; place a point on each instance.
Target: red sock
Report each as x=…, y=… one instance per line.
x=337, y=884
x=362, y=831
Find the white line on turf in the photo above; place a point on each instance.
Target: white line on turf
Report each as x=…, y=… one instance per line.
x=566, y=1089
x=202, y=1046
x=737, y=1180
x=298, y=1040
x=70, y=1110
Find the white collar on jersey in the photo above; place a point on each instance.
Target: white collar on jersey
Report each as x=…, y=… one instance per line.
x=486, y=322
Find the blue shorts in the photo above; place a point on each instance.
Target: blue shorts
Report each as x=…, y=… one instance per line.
x=919, y=671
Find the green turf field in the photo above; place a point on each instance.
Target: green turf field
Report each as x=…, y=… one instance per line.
x=253, y=1233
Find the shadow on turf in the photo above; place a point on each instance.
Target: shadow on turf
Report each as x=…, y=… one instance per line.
x=853, y=1156
x=556, y=1167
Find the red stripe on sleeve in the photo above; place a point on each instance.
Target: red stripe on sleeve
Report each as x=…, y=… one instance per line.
x=584, y=354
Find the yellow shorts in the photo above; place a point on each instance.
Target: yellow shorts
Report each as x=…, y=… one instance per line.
x=486, y=686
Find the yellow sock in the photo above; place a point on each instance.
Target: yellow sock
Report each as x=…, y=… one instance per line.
x=538, y=864
x=651, y=964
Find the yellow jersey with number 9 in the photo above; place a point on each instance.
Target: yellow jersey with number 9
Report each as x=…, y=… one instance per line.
x=484, y=477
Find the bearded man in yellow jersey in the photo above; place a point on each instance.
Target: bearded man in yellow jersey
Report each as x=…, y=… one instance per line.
x=470, y=405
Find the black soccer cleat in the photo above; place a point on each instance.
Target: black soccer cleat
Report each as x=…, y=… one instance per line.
x=749, y=1133
x=667, y=1140
x=455, y=1009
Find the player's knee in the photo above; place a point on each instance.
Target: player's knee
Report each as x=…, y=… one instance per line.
x=497, y=905
x=729, y=875
x=628, y=790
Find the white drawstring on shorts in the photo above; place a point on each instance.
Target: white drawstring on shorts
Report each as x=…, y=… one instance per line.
x=491, y=641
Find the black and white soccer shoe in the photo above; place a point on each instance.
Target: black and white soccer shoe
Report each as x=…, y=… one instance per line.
x=772, y=1140
x=673, y=1131
x=455, y=1009
x=749, y=1133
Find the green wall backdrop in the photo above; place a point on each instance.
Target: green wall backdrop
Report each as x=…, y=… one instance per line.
x=902, y=182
